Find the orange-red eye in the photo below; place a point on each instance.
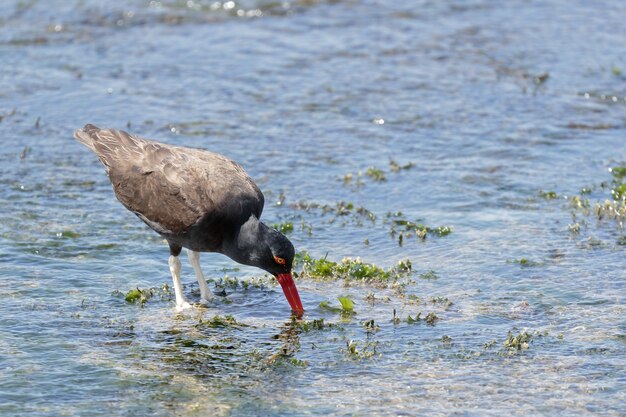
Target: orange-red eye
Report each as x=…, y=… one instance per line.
x=279, y=261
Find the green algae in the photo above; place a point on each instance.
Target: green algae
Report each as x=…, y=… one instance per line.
x=408, y=228
x=413, y=299
x=613, y=208
x=548, y=195
x=350, y=269
x=441, y=231
x=299, y=363
x=376, y=174
x=234, y=283
x=351, y=348
x=580, y=203
x=541, y=78
x=371, y=326
x=522, y=261
x=431, y=318
x=307, y=228
x=517, y=342
x=346, y=304
x=525, y=262
x=490, y=344
x=135, y=295
x=339, y=210
x=218, y=321
x=325, y=305
x=618, y=187
x=284, y=227
x=71, y=234
x=396, y=167
x=411, y=320
x=396, y=319
x=619, y=173
x=105, y=246
x=350, y=213
x=346, y=308
x=310, y=325
x=429, y=275
x=141, y=296
x=368, y=350
x=446, y=340
x=442, y=301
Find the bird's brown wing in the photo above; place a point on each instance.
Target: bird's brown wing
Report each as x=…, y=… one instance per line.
x=172, y=188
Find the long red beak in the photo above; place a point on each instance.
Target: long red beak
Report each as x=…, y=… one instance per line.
x=291, y=292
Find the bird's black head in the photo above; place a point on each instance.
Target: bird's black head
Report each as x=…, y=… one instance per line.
x=278, y=258
x=279, y=262
x=258, y=245
x=261, y=246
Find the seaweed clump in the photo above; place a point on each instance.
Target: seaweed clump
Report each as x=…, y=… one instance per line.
x=407, y=228
x=517, y=342
x=284, y=227
x=218, y=321
x=141, y=296
x=351, y=269
x=613, y=208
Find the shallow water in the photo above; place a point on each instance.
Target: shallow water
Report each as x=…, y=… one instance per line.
x=493, y=102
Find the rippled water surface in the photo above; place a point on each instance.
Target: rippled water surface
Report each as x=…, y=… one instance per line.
x=499, y=120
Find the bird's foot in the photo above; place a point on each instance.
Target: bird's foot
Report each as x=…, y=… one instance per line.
x=204, y=302
x=182, y=306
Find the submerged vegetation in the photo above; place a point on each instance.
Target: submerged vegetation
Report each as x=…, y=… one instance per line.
x=525, y=262
x=141, y=296
x=375, y=174
x=519, y=341
x=431, y=318
x=429, y=275
x=612, y=209
x=548, y=195
x=396, y=167
x=325, y=305
x=218, y=321
x=405, y=228
x=347, y=304
x=413, y=320
x=348, y=213
x=341, y=209
x=358, y=350
x=310, y=325
x=346, y=309
x=608, y=207
x=351, y=269
x=284, y=227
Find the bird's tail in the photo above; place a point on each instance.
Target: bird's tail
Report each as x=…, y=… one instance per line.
x=113, y=147
x=86, y=136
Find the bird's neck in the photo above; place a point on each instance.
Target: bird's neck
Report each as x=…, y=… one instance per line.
x=245, y=246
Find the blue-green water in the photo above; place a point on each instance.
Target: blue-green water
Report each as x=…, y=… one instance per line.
x=493, y=102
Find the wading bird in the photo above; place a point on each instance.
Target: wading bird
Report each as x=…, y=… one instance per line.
x=195, y=199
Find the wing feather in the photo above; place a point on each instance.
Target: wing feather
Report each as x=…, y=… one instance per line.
x=172, y=188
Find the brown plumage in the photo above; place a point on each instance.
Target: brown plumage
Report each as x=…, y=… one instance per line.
x=165, y=185
x=195, y=199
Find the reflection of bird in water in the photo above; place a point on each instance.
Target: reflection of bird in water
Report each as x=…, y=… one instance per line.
x=195, y=199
